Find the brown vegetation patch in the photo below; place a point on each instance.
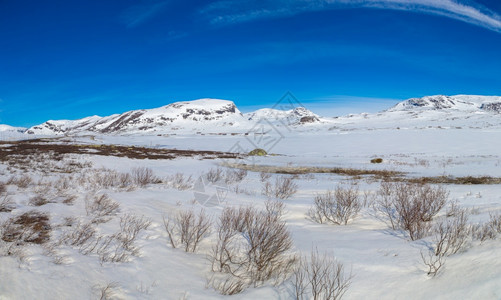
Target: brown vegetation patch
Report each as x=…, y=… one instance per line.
x=291, y=170
x=386, y=175
x=28, y=147
x=30, y=227
x=456, y=180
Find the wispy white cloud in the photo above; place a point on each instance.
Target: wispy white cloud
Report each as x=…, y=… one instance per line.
x=137, y=14
x=224, y=11
x=341, y=105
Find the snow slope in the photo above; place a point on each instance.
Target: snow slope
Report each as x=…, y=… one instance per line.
x=7, y=128
x=8, y=132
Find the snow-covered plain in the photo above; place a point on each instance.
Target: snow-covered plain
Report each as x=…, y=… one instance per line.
x=385, y=263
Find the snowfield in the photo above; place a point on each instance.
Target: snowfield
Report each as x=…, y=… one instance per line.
x=98, y=218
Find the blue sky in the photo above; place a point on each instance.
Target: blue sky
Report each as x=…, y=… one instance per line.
x=71, y=59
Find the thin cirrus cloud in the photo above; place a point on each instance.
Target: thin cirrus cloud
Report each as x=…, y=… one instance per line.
x=225, y=12
x=138, y=14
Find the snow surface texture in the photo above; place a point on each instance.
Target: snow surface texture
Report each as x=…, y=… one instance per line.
x=432, y=136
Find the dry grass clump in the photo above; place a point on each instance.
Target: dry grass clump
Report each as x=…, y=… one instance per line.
x=467, y=180
x=11, y=150
x=29, y=227
x=294, y=170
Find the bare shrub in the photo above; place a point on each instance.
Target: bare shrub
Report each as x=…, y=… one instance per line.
x=69, y=199
x=3, y=188
x=69, y=221
x=29, y=227
x=110, y=250
x=214, y=175
x=143, y=176
x=452, y=234
x=50, y=250
x=130, y=227
x=180, y=182
x=118, y=247
x=433, y=262
x=410, y=206
x=453, y=209
x=320, y=277
x=22, y=182
x=101, y=207
x=38, y=200
x=252, y=246
x=6, y=202
x=14, y=249
x=275, y=209
x=234, y=176
x=337, y=207
x=267, y=189
x=108, y=291
x=226, y=285
x=80, y=236
x=284, y=188
x=187, y=229
x=238, y=189
x=385, y=203
x=106, y=178
x=432, y=200
x=63, y=184
x=489, y=230
x=264, y=176
x=495, y=222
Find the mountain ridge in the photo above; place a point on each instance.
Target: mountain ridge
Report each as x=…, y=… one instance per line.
x=205, y=115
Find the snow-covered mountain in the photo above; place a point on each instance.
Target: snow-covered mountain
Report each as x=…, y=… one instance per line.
x=439, y=112
x=204, y=115
x=8, y=128
x=469, y=103
x=193, y=115
x=296, y=116
x=222, y=116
